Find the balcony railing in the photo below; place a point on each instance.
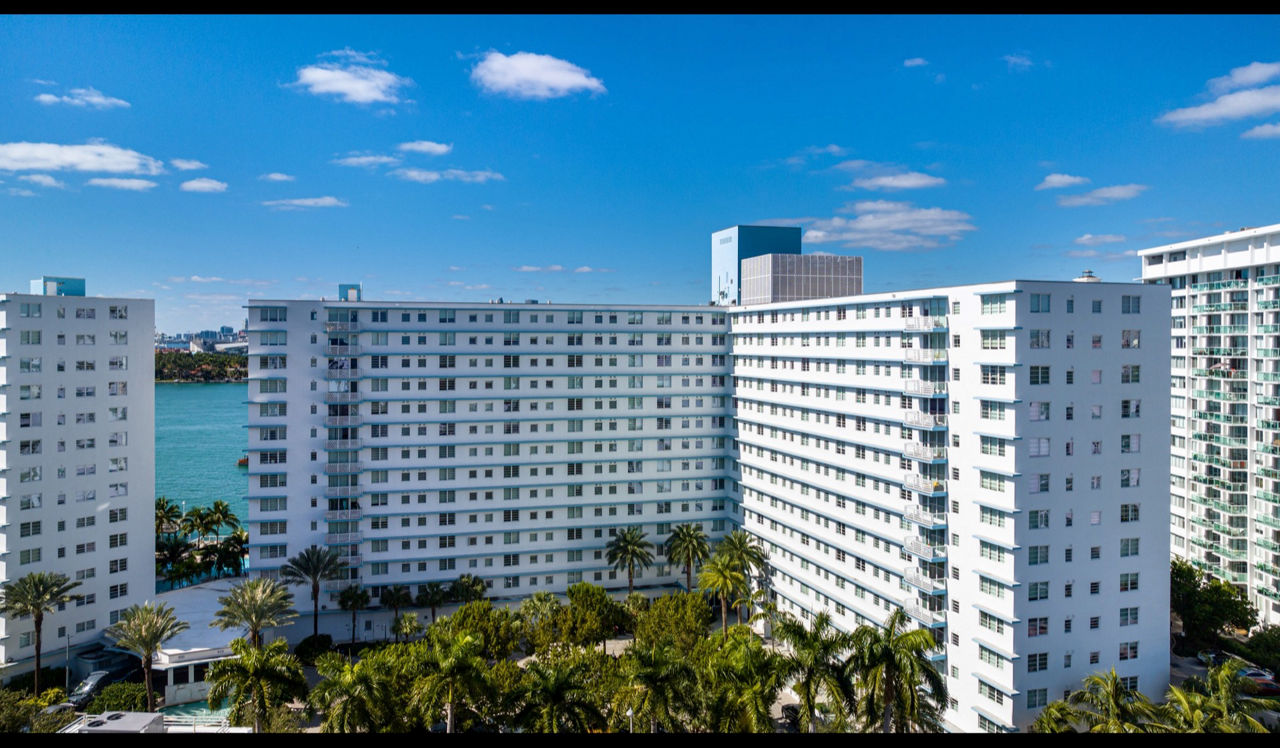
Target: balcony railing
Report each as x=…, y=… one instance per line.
x=341, y=326
x=923, y=614
x=925, y=323
x=342, y=492
x=343, y=538
x=922, y=550
x=341, y=373
x=928, y=584
x=338, y=421
x=350, y=560
x=337, y=515
x=928, y=420
x=917, y=387
x=334, y=398
x=924, y=354
x=342, y=350
x=1221, y=373
x=924, y=451
x=1220, y=285
x=924, y=484
x=341, y=468
x=342, y=444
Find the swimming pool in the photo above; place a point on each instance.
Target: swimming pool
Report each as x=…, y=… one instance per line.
x=194, y=709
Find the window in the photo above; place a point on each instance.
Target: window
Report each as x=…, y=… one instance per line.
x=1129, y=582
x=1037, y=697
x=1039, y=374
x=993, y=303
x=990, y=692
x=1128, y=512
x=1129, y=374
x=1039, y=338
x=1037, y=661
x=1039, y=411
x=1038, y=519
x=1037, y=554
x=1039, y=303
x=1129, y=338
x=991, y=410
x=993, y=374
x=1128, y=650
x=1038, y=591
x=993, y=340
x=1037, y=626
x=1130, y=304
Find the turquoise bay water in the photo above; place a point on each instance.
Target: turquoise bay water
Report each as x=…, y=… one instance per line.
x=199, y=436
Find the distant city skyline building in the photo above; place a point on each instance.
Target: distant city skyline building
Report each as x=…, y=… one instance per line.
x=729, y=247
x=77, y=459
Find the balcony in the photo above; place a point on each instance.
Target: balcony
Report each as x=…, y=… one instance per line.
x=342, y=492
x=342, y=468
x=1226, y=306
x=1266, y=329
x=338, y=515
x=1226, y=441
x=342, y=444
x=918, y=515
x=350, y=560
x=1268, y=520
x=917, y=387
x=343, y=538
x=924, y=451
x=928, y=584
x=338, y=421
x=1220, y=285
x=930, y=617
x=927, y=420
x=1221, y=352
x=1269, y=304
x=924, y=354
x=920, y=549
x=1227, y=418
x=925, y=485
x=342, y=350
x=925, y=323
x=337, y=398
x=1220, y=329
x=1221, y=395
x=337, y=374
x=1267, y=352
x=341, y=326
x=1221, y=373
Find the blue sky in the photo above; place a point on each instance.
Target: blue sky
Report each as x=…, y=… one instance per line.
x=582, y=159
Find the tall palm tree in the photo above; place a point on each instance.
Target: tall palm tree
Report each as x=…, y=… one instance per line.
x=256, y=680
x=556, y=699
x=467, y=588
x=627, y=550
x=232, y=549
x=355, y=599
x=254, y=605
x=454, y=679
x=396, y=597
x=1231, y=694
x=170, y=551
x=196, y=522
x=654, y=681
x=744, y=553
x=1104, y=704
x=688, y=545
x=407, y=625
x=34, y=595
x=722, y=579
x=1191, y=712
x=142, y=629
x=168, y=516
x=219, y=516
x=433, y=595
x=815, y=662
x=892, y=667
x=313, y=566
x=354, y=698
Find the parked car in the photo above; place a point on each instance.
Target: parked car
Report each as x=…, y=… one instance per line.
x=1266, y=686
x=791, y=717
x=1212, y=657
x=97, y=680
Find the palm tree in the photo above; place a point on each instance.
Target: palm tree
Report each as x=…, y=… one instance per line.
x=232, y=550
x=1104, y=704
x=396, y=597
x=34, y=595
x=688, y=545
x=1189, y=711
x=406, y=625
x=627, y=550
x=654, y=680
x=432, y=596
x=721, y=579
x=467, y=588
x=744, y=553
x=1230, y=694
x=169, y=553
x=892, y=667
x=219, y=515
x=355, y=599
x=313, y=566
x=455, y=677
x=556, y=699
x=256, y=680
x=255, y=604
x=354, y=697
x=142, y=629
x=196, y=522
x=815, y=662
x=168, y=516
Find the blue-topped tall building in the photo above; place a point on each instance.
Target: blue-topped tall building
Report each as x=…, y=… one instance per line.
x=731, y=246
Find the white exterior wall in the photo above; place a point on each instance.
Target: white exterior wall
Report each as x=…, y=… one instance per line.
x=67, y=544
x=920, y=537
x=540, y=544
x=1225, y=389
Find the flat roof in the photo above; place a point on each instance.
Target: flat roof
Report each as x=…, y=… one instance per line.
x=201, y=642
x=1225, y=236
x=914, y=293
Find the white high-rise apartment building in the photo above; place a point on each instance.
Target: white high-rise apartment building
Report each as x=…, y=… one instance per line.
x=77, y=458
x=425, y=440
x=989, y=458
x=1226, y=406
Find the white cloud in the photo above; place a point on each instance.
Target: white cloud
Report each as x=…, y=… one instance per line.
x=1018, y=63
x=460, y=217
x=352, y=81
x=42, y=82
x=276, y=176
x=203, y=184
x=456, y=268
x=477, y=287
x=538, y=269
x=1253, y=74
x=908, y=181
x=306, y=202
x=206, y=279
x=89, y=157
x=589, y=269
x=1256, y=102
x=914, y=62
x=1083, y=254
x=1054, y=181
x=525, y=75
x=136, y=185
x=1093, y=240
x=83, y=97
x=20, y=192
x=1262, y=131
x=44, y=180
x=366, y=160
x=891, y=226
x=816, y=150
x=457, y=175
x=427, y=146
x=187, y=164
x=1103, y=195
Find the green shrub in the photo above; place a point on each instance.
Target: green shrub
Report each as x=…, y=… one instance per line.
x=50, y=677
x=312, y=647
x=120, y=697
